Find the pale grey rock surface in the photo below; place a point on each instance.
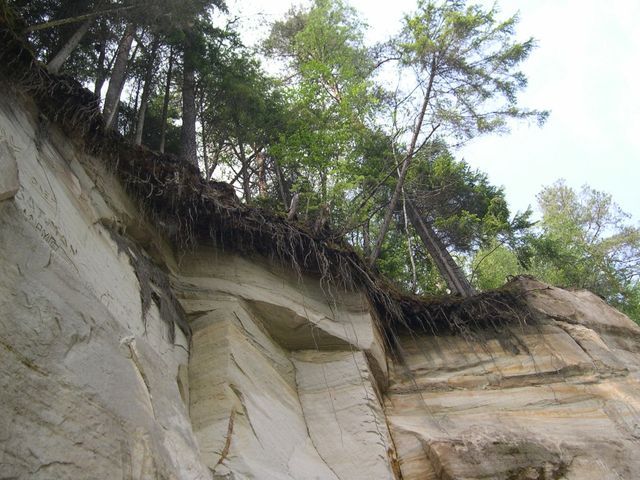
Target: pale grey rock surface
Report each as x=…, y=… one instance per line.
x=279, y=382
x=9, y=181
x=91, y=387
x=87, y=389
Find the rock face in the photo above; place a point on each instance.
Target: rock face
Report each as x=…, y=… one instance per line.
x=554, y=400
x=275, y=378
x=87, y=388
x=280, y=380
x=261, y=373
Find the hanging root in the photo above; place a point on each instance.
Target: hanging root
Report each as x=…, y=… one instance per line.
x=154, y=287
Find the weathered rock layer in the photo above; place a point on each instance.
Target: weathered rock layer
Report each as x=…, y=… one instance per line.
x=558, y=399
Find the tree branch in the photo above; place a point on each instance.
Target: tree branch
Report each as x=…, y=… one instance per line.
x=79, y=18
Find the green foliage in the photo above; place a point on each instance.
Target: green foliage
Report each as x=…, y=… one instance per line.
x=335, y=146
x=465, y=83
x=466, y=60
x=583, y=241
x=394, y=264
x=461, y=202
x=327, y=130
x=467, y=212
x=239, y=101
x=330, y=100
x=493, y=265
x=151, y=134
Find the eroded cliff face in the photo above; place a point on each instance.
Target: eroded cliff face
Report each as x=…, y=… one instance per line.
x=550, y=401
x=280, y=374
x=263, y=373
x=88, y=386
x=276, y=376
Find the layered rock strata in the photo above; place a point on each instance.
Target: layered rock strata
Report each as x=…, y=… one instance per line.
x=274, y=377
x=280, y=375
x=553, y=400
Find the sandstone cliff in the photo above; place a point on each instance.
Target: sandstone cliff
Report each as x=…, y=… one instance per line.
x=127, y=353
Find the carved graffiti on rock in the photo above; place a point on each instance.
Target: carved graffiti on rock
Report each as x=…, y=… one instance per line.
x=45, y=192
x=9, y=141
x=46, y=227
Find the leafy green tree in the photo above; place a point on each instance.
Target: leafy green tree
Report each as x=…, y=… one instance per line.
x=464, y=208
x=242, y=114
x=194, y=24
x=330, y=98
x=465, y=212
x=493, y=265
x=162, y=130
x=59, y=28
x=464, y=62
x=584, y=240
x=72, y=36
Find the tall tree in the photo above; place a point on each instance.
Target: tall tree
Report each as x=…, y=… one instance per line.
x=188, y=141
x=464, y=61
x=118, y=77
x=588, y=241
x=150, y=60
x=243, y=113
x=165, y=100
x=102, y=64
x=465, y=213
x=55, y=64
x=195, y=24
x=331, y=98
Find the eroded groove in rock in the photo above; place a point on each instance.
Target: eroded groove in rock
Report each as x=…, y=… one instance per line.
x=342, y=413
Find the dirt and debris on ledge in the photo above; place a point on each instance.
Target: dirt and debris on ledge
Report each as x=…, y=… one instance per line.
x=195, y=211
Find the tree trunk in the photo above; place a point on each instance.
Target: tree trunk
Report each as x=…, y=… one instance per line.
x=130, y=129
x=323, y=186
x=366, y=239
x=118, y=77
x=203, y=134
x=205, y=155
x=188, y=144
x=261, y=162
x=214, y=158
x=78, y=18
x=446, y=265
x=246, y=175
x=165, y=103
x=282, y=184
x=293, y=209
x=146, y=91
x=101, y=71
x=405, y=166
x=58, y=60
x=414, y=273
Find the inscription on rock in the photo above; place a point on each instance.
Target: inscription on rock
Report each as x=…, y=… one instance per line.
x=42, y=222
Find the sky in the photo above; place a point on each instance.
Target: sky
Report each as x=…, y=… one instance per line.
x=585, y=71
